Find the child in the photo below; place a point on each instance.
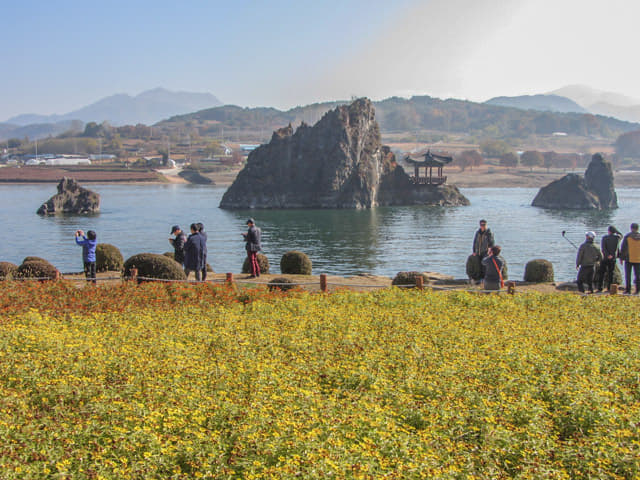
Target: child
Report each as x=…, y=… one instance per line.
x=88, y=253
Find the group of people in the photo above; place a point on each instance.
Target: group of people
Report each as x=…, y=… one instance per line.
x=191, y=251
x=589, y=256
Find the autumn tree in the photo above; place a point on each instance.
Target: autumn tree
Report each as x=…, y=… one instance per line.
x=469, y=158
x=628, y=145
x=532, y=158
x=509, y=159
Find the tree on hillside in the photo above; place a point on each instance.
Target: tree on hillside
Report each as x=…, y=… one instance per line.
x=509, y=159
x=628, y=145
x=532, y=158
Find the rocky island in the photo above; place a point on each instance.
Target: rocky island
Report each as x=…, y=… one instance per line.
x=71, y=198
x=594, y=191
x=339, y=162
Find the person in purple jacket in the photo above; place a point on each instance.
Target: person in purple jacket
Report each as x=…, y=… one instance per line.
x=88, y=244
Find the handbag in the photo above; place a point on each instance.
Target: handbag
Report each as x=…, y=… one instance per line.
x=499, y=272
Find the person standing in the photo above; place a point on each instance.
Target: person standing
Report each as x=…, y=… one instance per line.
x=482, y=241
x=588, y=256
x=194, y=253
x=253, y=245
x=178, y=243
x=609, y=246
x=204, y=248
x=630, y=255
x=493, y=265
x=88, y=244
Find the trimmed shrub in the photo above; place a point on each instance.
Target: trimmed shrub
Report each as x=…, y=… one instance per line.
x=281, y=283
x=295, y=263
x=409, y=278
x=108, y=258
x=538, y=271
x=7, y=270
x=263, y=261
x=35, y=259
x=153, y=265
x=36, y=269
x=474, y=267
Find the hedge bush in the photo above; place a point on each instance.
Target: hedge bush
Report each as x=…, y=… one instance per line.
x=35, y=259
x=538, y=271
x=153, y=265
x=409, y=278
x=36, y=269
x=474, y=267
x=263, y=261
x=281, y=283
x=295, y=263
x=7, y=270
x=108, y=258
x=172, y=256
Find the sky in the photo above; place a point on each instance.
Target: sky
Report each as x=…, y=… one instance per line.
x=60, y=56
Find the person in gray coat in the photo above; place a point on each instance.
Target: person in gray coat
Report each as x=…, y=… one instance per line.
x=588, y=256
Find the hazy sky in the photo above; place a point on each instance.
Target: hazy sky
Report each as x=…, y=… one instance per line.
x=60, y=55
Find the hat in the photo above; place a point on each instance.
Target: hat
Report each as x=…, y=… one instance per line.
x=590, y=234
x=251, y=220
x=175, y=228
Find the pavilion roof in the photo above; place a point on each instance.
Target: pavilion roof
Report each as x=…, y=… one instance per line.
x=430, y=160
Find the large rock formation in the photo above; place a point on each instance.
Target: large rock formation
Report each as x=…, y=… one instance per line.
x=338, y=163
x=71, y=198
x=594, y=191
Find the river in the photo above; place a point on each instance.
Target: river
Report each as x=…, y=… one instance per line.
x=382, y=241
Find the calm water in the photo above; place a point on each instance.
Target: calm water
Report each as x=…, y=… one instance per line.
x=137, y=218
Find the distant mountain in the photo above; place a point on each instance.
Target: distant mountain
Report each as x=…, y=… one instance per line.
x=148, y=107
x=545, y=103
x=600, y=102
x=38, y=130
x=396, y=115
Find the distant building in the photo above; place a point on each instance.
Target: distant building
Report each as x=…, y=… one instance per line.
x=248, y=147
x=104, y=156
x=61, y=160
x=559, y=134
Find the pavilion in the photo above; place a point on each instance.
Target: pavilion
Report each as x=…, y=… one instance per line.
x=430, y=161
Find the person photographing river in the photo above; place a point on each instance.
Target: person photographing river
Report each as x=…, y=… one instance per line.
x=253, y=245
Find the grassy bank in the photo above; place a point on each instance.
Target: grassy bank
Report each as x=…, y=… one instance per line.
x=176, y=381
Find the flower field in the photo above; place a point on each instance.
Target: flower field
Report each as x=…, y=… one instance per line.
x=179, y=381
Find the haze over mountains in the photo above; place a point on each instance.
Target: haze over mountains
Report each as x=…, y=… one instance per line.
x=147, y=107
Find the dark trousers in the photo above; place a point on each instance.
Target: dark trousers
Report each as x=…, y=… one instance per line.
x=585, y=275
x=197, y=273
x=607, y=267
x=253, y=263
x=90, y=271
x=627, y=275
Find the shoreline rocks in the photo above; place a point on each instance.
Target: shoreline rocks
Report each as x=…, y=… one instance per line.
x=339, y=162
x=71, y=198
x=594, y=191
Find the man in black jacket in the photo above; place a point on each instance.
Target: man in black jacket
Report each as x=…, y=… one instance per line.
x=482, y=241
x=178, y=243
x=194, y=253
x=253, y=246
x=609, y=246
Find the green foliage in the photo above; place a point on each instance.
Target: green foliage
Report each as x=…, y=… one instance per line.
x=152, y=265
x=628, y=145
x=295, y=263
x=538, y=271
x=281, y=283
x=7, y=270
x=474, y=267
x=263, y=261
x=509, y=159
x=108, y=258
x=409, y=278
x=495, y=148
x=532, y=158
x=40, y=269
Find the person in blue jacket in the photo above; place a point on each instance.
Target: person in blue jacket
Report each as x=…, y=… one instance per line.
x=194, y=253
x=88, y=244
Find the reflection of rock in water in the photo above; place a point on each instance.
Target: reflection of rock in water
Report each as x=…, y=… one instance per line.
x=71, y=198
x=594, y=191
x=340, y=162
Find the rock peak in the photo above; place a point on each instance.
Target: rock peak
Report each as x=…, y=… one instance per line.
x=71, y=198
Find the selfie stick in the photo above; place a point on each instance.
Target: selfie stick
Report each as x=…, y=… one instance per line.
x=563, y=236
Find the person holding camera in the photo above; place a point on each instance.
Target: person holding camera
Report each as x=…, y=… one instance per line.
x=88, y=244
x=253, y=245
x=493, y=265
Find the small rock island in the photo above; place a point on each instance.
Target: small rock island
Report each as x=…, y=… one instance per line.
x=594, y=191
x=71, y=198
x=339, y=162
